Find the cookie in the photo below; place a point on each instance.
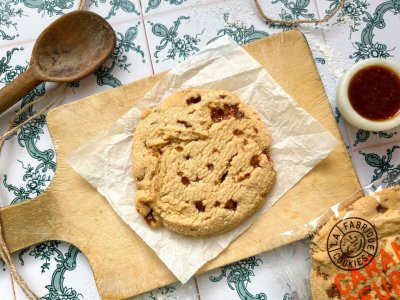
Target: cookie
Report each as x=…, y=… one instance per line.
x=201, y=163
x=356, y=254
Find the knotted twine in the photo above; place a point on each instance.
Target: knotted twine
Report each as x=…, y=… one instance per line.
x=4, y=253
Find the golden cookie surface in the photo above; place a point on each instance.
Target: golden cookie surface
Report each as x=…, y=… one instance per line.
x=201, y=163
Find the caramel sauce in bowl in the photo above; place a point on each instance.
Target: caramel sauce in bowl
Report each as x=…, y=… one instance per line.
x=368, y=95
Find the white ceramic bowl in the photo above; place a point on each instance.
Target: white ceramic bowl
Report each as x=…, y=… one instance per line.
x=345, y=107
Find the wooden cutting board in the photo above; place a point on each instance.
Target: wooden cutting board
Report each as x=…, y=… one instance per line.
x=71, y=210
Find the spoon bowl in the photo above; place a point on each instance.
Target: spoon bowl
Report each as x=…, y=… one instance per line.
x=73, y=47
x=69, y=49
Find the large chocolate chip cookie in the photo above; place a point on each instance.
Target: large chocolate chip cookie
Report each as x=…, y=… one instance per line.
x=201, y=163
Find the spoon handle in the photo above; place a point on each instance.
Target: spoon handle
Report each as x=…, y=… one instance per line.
x=17, y=89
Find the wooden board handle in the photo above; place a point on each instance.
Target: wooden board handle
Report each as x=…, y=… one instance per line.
x=29, y=223
x=18, y=88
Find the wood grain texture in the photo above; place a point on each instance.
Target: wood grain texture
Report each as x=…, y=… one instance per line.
x=71, y=210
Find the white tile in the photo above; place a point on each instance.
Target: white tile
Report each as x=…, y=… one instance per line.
x=291, y=264
x=247, y=279
x=21, y=164
x=115, y=10
x=151, y=7
x=44, y=265
x=290, y=10
x=6, y=287
x=26, y=20
x=374, y=162
x=22, y=176
x=81, y=278
x=17, y=165
x=276, y=274
x=176, y=35
x=364, y=139
x=188, y=291
x=14, y=60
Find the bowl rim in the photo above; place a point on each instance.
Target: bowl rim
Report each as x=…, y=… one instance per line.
x=343, y=101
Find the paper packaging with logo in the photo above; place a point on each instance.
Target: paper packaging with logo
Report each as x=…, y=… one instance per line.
x=355, y=246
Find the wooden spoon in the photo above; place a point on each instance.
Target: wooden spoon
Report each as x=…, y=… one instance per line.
x=69, y=49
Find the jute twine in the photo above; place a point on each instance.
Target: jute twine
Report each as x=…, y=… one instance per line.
x=294, y=22
x=4, y=253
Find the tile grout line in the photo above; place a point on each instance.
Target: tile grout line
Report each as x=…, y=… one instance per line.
x=319, y=17
x=191, y=7
x=345, y=134
x=146, y=37
x=389, y=142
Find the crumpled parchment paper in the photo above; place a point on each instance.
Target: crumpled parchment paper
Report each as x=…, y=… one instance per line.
x=299, y=143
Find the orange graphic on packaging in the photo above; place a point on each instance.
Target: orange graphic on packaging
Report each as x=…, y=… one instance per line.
x=386, y=280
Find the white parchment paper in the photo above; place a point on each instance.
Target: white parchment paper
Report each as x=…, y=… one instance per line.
x=299, y=143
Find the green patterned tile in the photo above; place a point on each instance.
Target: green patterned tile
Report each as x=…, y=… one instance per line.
x=176, y=35
x=176, y=291
x=116, y=10
x=376, y=162
x=160, y=6
x=56, y=270
x=18, y=16
x=279, y=274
